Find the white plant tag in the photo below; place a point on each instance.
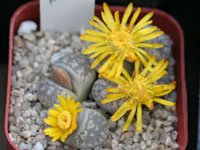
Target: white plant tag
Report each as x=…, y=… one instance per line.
x=65, y=15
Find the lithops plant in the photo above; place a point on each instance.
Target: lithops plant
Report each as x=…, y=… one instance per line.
x=99, y=93
x=77, y=127
x=47, y=92
x=92, y=130
x=78, y=68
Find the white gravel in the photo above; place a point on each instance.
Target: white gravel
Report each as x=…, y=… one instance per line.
x=31, y=62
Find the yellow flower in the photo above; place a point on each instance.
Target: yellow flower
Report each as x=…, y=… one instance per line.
x=62, y=118
x=116, y=41
x=141, y=89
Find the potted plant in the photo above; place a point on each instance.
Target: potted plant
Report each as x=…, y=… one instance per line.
x=168, y=24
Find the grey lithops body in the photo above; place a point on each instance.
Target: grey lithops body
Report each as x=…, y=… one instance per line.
x=48, y=90
x=92, y=130
x=165, y=51
x=78, y=67
x=99, y=93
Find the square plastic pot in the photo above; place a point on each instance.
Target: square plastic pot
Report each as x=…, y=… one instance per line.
x=30, y=11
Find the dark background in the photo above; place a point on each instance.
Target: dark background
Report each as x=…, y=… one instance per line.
x=185, y=12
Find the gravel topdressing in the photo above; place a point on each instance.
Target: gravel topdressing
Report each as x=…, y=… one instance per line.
x=31, y=63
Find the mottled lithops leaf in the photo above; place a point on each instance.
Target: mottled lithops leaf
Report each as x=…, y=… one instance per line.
x=61, y=77
x=92, y=130
x=79, y=70
x=48, y=90
x=99, y=93
x=163, y=52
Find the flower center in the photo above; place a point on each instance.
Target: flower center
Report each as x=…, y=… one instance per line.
x=120, y=39
x=64, y=120
x=141, y=91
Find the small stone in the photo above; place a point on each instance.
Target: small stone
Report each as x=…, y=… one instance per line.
x=38, y=138
x=174, y=135
x=167, y=123
x=27, y=27
x=30, y=97
x=128, y=141
x=163, y=137
x=61, y=77
x=39, y=121
x=168, y=129
x=38, y=146
x=14, y=129
x=142, y=145
x=175, y=146
x=19, y=74
x=26, y=134
x=154, y=146
x=136, y=138
x=18, y=42
x=158, y=123
x=136, y=146
x=148, y=142
x=168, y=142
x=146, y=136
x=27, y=113
x=19, y=121
x=121, y=122
x=23, y=146
x=114, y=144
x=34, y=129
x=158, y=113
x=29, y=37
x=172, y=118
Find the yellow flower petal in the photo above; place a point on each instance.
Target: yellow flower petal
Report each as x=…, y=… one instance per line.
x=134, y=18
x=108, y=12
x=130, y=117
x=139, y=118
x=53, y=113
x=95, y=33
x=99, y=59
x=51, y=121
x=122, y=110
x=117, y=20
x=164, y=102
x=127, y=13
x=116, y=90
x=96, y=25
x=62, y=101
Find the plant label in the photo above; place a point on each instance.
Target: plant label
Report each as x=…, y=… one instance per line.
x=65, y=15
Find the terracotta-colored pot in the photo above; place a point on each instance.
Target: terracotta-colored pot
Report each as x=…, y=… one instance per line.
x=30, y=11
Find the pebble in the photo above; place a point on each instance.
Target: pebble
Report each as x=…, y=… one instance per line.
x=26, y=133
x=38, y=146
x=142, y=145
x=174, y=135
x=27, y=27
x=136, y=146
x=169, y=142
x=146, y=136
